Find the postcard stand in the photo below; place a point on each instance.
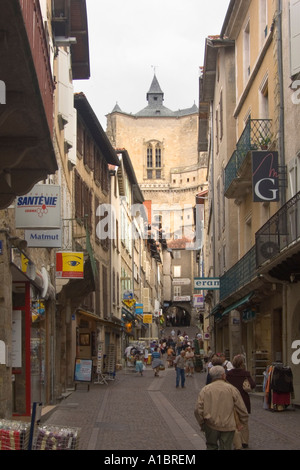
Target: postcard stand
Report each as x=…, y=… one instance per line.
x=100, y=377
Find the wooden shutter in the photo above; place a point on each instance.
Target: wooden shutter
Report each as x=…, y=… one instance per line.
x=295, y=36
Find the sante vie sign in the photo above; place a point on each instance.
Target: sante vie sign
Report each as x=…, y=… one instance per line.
x=206, y=283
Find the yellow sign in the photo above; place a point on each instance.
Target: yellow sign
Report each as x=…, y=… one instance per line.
x=147, y=318
x=129, y=302
x=69, y=265
x=24, y=263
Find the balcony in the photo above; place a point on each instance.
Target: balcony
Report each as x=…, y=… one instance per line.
x=257, y=135
x=239, y=276
x=277, y=242
x=26, y=118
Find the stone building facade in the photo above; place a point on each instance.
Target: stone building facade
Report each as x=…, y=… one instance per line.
x=163, y=146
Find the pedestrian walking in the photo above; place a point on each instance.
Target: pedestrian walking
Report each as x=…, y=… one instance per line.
x=146, y=356
x=180, y=369
x=215, y=361
x=226, y=364
x=240, y=378
x=218, y=406
x=156, y=361
x=139, y=366
x=189, y=361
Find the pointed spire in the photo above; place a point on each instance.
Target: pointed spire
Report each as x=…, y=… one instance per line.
x=155, y=95
x=116, y=108
x=155, y=88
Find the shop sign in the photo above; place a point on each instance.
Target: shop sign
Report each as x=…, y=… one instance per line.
x=40, y=208
x=69, y=265
x=83, y=370
x=147, y=318
x=198, y=301
x=265, y=177
x=181, y=282
x=206, y=283
x=182, y=298
x=139, y=308
x=43, y=238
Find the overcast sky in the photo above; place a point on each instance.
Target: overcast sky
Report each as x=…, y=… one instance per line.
x=128, y=38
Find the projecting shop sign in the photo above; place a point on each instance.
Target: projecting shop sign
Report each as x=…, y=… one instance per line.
x=265, y=177
x=206, y=283
x=40, y=208
x=69, y=265
x=43, y=238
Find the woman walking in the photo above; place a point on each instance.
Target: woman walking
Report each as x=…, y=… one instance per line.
x=240, y=378
x=156, y=361
x=189, y=361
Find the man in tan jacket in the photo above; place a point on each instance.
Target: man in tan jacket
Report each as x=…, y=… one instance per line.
x=220, y=410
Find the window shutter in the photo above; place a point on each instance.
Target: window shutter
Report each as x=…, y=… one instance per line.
x=146, y=299
x=295, y=36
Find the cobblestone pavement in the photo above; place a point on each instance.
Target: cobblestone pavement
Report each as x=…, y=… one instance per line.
x=136, y=412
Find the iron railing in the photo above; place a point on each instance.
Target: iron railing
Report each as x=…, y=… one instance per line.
x=239, y=275
x=256, y=135
x=280, y=232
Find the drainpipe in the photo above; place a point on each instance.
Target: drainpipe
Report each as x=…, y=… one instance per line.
x=213, y=199
x=281, y=140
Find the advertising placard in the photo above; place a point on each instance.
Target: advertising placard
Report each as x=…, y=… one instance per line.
x=69, y=265
x=83, y=370
x=40, y=208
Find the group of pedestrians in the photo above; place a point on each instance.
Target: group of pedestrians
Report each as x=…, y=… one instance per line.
x=223, y=405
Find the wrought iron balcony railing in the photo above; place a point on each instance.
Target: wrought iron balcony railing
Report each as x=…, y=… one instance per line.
x=280, y=232
x=256, y=135
x=239, y=275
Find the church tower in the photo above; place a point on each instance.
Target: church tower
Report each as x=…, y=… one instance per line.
x=163, y=147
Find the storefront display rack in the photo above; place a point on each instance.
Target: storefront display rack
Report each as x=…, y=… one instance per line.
x=14, y=435
x=56, y=438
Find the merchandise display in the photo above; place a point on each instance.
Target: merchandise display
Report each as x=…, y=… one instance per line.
x=56, y=438
x=278, y=387
x=14, y=435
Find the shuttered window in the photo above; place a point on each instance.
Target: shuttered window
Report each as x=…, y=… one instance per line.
x=295, y=36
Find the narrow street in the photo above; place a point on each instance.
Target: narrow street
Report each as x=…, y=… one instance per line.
x=136, y=412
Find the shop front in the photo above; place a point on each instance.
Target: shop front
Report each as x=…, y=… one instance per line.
x=92, y=333
x=31, y=292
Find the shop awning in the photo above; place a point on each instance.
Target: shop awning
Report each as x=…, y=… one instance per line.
x=237, y=304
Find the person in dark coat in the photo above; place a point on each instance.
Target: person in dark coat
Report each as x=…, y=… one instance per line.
x=236, y=377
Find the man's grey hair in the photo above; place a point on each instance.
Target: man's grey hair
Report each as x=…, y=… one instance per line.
x=216, y=372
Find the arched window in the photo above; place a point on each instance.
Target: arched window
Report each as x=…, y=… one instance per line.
x=149, y=161
x=154, y=161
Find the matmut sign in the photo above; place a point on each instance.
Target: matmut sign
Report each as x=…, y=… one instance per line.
x=206, y=283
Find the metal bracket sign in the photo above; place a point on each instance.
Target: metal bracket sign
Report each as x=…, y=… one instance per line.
x=206, y=283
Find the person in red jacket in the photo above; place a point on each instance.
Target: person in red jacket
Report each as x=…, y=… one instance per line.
x=237, y=377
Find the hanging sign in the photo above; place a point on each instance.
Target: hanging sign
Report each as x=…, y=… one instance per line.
x=265, y=177
x=206, y=283
x=129, y=302
x=43, y=238
x=139, y=308
x=69, y=265
x=147, y=318
x=40, y=208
